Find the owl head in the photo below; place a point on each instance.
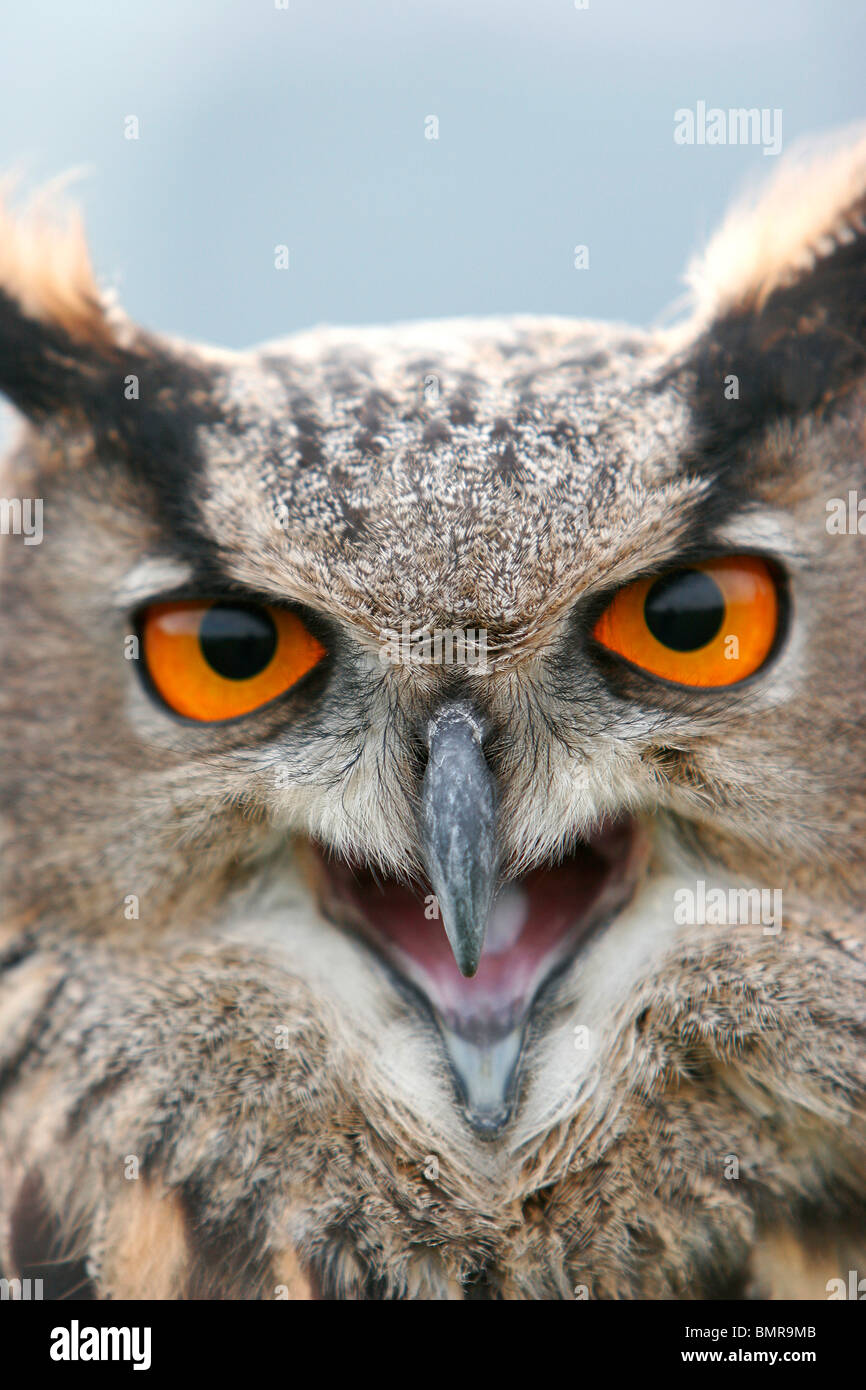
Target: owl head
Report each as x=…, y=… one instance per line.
x=501, y=679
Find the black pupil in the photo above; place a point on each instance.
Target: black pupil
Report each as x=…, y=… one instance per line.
x=684, y=610
x=237, y=640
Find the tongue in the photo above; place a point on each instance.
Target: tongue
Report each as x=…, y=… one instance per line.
x=536, y=923
x=530, y=924
x=533, y=924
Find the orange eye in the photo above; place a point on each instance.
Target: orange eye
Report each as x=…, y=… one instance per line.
x=707, y=624
x=213, y=660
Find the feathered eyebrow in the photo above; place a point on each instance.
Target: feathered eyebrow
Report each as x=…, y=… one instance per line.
x=765, y=531
x=159, y=574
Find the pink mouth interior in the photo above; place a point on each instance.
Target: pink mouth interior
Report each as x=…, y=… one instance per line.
x=537, y=922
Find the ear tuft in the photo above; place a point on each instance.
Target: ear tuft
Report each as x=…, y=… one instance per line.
x=45, y=269
x=814, y=205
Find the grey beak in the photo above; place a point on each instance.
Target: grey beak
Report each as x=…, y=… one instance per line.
x=458, y=829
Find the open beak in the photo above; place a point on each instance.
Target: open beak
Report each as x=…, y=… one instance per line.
x=458, y=829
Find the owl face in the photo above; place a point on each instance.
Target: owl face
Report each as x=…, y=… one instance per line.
x=440, y=662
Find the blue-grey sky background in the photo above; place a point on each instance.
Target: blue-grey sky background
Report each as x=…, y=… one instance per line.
x=305, y=126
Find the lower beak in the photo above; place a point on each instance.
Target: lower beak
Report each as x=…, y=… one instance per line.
x=458, y=829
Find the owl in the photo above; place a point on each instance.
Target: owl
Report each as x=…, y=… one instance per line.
x=433, y=790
